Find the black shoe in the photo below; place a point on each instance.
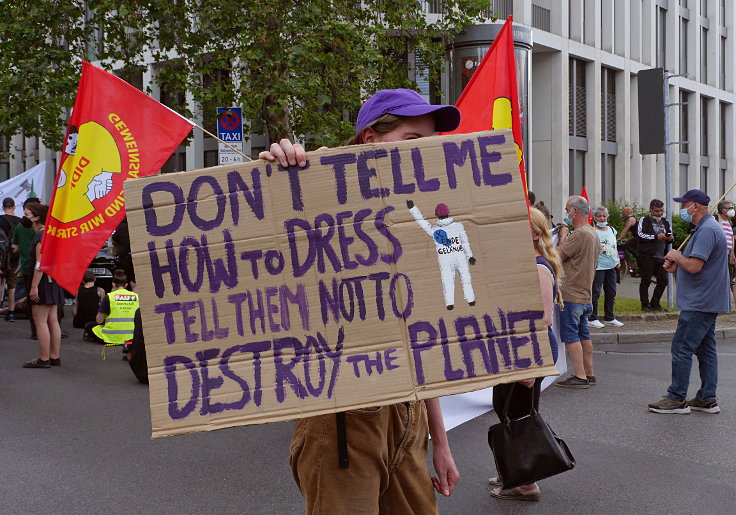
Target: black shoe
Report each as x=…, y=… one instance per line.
x=656, y=306
x=471, y=303
x=450, y=307
x=37, y=363
x=55, y=362
x=591, y=380
x=647, y=308
x=574, y=382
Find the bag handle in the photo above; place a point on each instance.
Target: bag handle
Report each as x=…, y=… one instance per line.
x=504, y=417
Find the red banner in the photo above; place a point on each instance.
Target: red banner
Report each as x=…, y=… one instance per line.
x=115, y=133
x=491, y=98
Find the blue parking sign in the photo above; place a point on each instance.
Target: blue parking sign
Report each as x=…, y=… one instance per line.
x=230, y=124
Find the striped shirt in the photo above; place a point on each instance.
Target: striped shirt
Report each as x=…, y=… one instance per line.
x=728, y=231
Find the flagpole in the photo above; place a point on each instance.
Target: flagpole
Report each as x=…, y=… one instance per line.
x=191, y=122
x=218, y=139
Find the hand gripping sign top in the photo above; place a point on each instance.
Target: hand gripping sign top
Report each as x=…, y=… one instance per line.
x=270, y=294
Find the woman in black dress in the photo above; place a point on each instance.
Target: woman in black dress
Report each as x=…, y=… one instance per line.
x=518, y=400
x=45, y=295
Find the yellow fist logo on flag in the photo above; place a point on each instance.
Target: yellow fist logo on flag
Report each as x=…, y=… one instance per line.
x=88, y=174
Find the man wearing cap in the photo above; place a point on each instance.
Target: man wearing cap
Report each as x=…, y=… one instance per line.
x=9, y=269
x=702, y=293
x=386, y=468
x=453, y=251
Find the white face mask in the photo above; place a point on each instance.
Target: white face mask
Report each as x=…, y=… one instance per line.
x=731, y=213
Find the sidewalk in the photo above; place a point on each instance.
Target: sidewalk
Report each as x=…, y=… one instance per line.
x=655, y=328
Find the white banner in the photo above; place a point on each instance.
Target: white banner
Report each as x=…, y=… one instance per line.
x=27, y=184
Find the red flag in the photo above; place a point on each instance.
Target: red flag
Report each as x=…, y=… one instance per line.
x=491, y=98
x=584, y=194
x=116, y=132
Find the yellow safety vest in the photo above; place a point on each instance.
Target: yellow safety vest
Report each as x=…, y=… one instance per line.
x=118, y=327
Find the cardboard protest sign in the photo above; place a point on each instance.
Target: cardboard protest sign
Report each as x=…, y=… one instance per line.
x=378, y=274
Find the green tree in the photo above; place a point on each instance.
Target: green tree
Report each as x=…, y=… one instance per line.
x=300, y=67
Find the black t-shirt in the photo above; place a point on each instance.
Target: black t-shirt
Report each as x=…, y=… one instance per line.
x=8, y=223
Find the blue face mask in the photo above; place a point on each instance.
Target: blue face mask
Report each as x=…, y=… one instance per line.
x=685, y=215
x=567, y=219
x=601, y=224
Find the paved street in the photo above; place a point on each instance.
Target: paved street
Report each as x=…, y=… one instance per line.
x=77, y=439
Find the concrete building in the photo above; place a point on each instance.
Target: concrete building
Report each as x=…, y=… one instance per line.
x=584, y=120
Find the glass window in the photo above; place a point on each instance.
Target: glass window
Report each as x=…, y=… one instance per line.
x=683, y=178
x=684, y=125
x=704, y=178
x=577, y=121
x=704, y=56
x=722, y=65
x=577, y=171
x=683, y=45
x=608, y=177
x=661, y=37
x=608, y=104
x=704, y=126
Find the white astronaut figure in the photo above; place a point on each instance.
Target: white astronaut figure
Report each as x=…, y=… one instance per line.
x=453, y=251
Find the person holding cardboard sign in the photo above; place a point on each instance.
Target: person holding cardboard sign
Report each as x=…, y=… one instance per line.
x=388, y=443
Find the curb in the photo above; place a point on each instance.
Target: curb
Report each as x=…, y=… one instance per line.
x=651, y=337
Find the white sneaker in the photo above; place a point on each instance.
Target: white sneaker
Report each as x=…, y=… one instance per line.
x=614, y=323
x=596, y=323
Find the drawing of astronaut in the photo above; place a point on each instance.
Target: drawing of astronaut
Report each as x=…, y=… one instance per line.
x=453, y=251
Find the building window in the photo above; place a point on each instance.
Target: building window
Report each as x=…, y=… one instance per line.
x=704, y=8
x=722, y=152
x=608, y=104
x=684, y=124
x=661, y=37
x=704, y=55
x=703, y=126
x=722, y=66
x=683, y=45
x=578, y=121
x=577, y=171
x=704, y=178
x=683, y=177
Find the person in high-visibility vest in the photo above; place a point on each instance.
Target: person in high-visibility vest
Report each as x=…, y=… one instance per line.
x=115, y=318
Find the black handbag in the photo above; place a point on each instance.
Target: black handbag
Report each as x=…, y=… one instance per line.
x=526, y=449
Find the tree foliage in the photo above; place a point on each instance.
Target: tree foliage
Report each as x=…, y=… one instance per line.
x=299, y=66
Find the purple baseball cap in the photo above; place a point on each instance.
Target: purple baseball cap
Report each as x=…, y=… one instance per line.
x=698, y=196
x=405, y=102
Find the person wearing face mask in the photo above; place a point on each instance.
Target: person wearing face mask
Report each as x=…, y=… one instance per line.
x=579, y=254
x=655, y=234
x=702, y=293
x=726, y=212
x=605, y=273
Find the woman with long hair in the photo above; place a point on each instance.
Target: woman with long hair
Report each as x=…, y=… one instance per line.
x=517, y=401
x=45, y=295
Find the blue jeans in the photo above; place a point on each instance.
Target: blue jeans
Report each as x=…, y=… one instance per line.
x=695, y=334
x=574, y=322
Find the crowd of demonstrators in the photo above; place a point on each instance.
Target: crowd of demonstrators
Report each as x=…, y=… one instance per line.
x=517, y=401
x=606, y=272
x=579, y=254
x=45, y=296
x=726, y=213
x=87, y=302
x=391, y=441
x=654, y=235
x=8, y=258
x=702, y=293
